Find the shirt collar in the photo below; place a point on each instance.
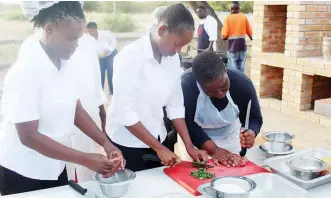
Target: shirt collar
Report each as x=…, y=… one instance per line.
x=148, y=50
x=147, y=46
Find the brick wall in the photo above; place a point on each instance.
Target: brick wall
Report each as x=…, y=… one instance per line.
x=272, y=80
x=274, y=28
x=307, y=24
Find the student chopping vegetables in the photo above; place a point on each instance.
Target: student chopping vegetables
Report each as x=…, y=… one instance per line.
x=40, y=106
x=147, y=78
x=216, y=102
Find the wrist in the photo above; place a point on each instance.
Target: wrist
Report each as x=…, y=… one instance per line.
x=159, y=148
x=82, y=159
x=210, y=147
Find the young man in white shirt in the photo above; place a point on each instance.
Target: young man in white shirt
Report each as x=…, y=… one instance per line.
x=106, y=48
x=40, y=106
x=207, y=31
x=147, y=73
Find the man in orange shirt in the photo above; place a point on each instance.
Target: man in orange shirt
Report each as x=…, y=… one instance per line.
x=235, y=28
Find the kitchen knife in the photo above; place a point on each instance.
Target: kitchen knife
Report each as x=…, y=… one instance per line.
x=155, y=158
x=81, y=190
x=248, y=113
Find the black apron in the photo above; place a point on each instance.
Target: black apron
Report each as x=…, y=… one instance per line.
x=203, y=38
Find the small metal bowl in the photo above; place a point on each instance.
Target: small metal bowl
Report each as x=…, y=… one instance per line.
x=274, y=149
x=230, y=187
x=306, y=168
x=278, y=136
x=116, y=185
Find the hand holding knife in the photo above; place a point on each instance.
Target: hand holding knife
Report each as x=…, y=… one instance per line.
x=248, y=112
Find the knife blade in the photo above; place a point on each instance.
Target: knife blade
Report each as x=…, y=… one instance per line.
x=248, y=113
x=83, y=191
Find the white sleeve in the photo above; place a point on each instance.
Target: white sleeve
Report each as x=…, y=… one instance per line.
x=125, y=77
x=211, y=28
x=175, y=108
x=20, y=102
x=112, y=41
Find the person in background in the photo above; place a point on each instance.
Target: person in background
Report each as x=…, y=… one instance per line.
x=40, y=105
x=106, y=48
x=92, y=98
x=216, y=102
x=147, y=73
x=235, y=28
x=207, y=31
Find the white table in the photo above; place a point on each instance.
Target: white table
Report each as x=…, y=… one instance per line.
x=154, y=183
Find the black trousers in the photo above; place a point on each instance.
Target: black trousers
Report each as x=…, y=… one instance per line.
x=13, y=183
x=134, y=156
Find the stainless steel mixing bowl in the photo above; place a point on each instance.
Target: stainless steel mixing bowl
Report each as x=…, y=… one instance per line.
x=306, y=168
x=273, y=149
x=245, y=184
x=278, y=136
x=116, y=185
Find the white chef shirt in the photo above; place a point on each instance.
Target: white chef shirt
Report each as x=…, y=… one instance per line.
x=34, y=89
x=142, y=88
x=210, y=25
x=106, y=41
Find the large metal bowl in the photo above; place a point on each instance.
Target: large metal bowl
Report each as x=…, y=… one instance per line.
x=116, y=185
x=274, y=149
x=306, y=168
x=278, y=136
x=233, y=187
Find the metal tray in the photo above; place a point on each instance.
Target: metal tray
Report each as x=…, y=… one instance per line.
x=278, y=166
x=267, y=185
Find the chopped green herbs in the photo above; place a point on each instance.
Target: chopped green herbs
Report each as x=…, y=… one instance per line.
x=202, y=174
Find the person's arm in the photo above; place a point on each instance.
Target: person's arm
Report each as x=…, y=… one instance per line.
x=197, y=135
x=225, y=30
x=211, y=29
x=249, y=29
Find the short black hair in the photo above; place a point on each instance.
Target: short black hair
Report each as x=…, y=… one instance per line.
x=235, y=3
x=59, y=12
x=207, y=67
x=92, y=25
x=177, y=17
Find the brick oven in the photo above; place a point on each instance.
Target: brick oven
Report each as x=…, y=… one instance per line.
x=287, y=67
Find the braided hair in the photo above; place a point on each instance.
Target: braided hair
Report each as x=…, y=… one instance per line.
x=59, y=12
x=207, y=67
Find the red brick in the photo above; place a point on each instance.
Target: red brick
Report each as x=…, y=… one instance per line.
x=327, y=27
x=306, y=15
x=311, y=21
x=324, y=21
x=315, y=40
x=324, y=8
x=312, y=8
x=316, y=27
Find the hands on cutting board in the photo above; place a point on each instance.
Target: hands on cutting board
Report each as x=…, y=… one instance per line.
x=197, y=155
x=228, y=159
x=167, y=157
x=247, y=139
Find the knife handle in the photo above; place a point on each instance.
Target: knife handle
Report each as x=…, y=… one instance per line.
x=243, y=150
x=77, y=187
